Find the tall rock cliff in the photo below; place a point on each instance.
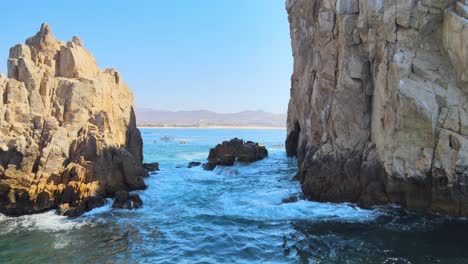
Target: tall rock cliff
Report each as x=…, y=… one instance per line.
x=68, y=136
x=379, y=102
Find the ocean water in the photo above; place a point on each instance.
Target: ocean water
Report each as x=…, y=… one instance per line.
x=230, y=215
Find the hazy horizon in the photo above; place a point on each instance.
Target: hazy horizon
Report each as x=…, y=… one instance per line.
x=154, y=117
x=221, y=56
x=208, y=110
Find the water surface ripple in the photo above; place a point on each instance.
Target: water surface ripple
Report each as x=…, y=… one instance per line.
x=230, y=215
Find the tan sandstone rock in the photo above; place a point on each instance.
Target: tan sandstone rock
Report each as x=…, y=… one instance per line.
x=68, y=136
x=378, y=108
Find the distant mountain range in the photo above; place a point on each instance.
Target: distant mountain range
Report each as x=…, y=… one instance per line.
x=205, y=118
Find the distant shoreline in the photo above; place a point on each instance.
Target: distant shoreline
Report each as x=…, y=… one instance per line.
x=213, y=127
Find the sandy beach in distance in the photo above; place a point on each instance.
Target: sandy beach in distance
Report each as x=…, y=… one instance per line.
x=213, y=127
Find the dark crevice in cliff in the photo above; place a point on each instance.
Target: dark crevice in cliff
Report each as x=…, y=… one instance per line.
x=11, y=156
x=42, y=144
x=5, y=97
x=293, y=140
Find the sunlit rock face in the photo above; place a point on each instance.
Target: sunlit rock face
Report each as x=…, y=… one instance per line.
x=379, y=105
x=68, y=136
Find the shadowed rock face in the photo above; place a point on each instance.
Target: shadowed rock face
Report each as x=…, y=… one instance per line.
x=68, y=135
x=379, y=105
x=228, y=152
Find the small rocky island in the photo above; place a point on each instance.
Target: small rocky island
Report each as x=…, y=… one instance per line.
x=68, y=135
x=228, y=152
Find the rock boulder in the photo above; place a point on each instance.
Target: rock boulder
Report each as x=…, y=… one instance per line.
x=124, y=200
x=194, y=164
x=153, y=166
x=226, y=153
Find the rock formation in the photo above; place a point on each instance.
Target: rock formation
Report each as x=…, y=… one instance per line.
x=68, y=136
x=193, y=164
x=124, y=200
x=226, y=153
x=153, y=166
x=379, y=102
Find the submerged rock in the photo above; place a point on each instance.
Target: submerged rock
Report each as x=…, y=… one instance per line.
x=226, y=153
x=194, y=164
x=292, y=198
x=68, y=135
x=167, y=138
x=378, y=109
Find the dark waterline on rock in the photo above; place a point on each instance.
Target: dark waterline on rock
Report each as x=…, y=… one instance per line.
x=230, y=215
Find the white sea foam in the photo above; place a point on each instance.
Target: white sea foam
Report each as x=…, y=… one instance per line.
x=3, y=217
x=48, y=221
x=193, y=156
x=61, y=241
x=301, y=210
x=99, y=210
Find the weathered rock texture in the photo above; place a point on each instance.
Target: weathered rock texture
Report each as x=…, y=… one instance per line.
x=226, y=153
x=379, y=102
x=68, y=135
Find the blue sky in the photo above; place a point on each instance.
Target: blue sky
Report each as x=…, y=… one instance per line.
x=220, y=55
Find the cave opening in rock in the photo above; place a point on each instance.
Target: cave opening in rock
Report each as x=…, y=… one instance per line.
x=292, y=140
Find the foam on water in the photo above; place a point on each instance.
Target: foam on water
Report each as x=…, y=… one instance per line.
x=100, y=210
x=301, y=210
x=48, y=221
x=194, y=156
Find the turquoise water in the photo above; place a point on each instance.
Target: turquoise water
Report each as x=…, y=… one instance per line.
x=230, y=215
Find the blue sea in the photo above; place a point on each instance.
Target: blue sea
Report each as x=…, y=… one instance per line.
x=241, y=214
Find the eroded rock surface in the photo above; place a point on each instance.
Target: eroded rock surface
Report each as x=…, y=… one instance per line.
x=153, y=166
x=124, y=200
x=226, y=153
x=379, y=105
x=68, y=136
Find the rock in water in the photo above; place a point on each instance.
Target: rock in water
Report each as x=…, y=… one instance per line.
x=228, y=152
x=378, y=110
x=153, y=166
x=68, y=136
x=124, y=200
x=194, y=164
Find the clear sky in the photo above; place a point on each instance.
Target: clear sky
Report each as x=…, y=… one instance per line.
x=220, y=55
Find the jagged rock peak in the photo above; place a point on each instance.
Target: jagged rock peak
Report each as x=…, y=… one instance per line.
x=77, y=41
x=68, y=135
x=43, y=54
x=42, y=38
